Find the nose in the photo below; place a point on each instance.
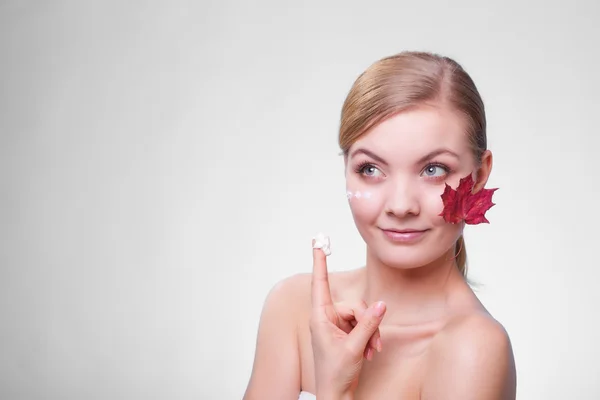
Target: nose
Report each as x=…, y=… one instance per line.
x=403, y=200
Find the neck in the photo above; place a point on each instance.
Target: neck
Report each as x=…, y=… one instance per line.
x=412, y=295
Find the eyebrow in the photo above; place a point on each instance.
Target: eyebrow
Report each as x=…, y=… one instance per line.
x=426, y=157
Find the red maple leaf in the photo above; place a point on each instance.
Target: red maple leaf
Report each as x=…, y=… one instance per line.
x=461, y=204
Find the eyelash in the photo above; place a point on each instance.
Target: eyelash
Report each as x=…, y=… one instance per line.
x=360, y=169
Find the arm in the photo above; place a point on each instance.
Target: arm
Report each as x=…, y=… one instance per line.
x=276, y=370
x=472, y=359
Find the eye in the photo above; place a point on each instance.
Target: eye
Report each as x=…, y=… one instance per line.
x=369, y=170
x=436, y=170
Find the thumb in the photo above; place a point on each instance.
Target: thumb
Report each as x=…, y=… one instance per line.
x=367, y=326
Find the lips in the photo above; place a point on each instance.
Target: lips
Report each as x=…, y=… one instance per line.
x=404, y=235
x=405, y=230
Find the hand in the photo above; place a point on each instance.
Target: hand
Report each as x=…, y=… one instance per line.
x=348, y=316
x=339, y=351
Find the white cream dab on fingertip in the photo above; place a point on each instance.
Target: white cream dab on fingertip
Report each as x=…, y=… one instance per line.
x=322, y=242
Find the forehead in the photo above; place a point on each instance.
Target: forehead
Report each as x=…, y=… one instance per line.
x=415, y=132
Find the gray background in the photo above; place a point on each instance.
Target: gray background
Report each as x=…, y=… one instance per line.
x=163, y=164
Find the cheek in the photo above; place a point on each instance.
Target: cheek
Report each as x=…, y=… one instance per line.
x=364, y=208
x=365, y=204
x=432, y=205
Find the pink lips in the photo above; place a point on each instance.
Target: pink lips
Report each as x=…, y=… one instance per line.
x=404, y=236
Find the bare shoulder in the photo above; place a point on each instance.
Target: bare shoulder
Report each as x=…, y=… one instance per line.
x=276, y=369
x=471, y=358
x=476, y=328
x=287, y=298
x=290, y=287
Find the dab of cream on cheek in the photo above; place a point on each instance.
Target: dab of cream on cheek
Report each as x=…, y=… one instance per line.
x=358, y=195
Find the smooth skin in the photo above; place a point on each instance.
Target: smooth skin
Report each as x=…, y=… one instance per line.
x=435, y=340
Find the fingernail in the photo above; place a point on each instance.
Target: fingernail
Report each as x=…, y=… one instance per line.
x=379, y=345
x=369, y=354
x=379, y=308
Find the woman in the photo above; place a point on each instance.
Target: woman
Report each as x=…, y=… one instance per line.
x=407, y=325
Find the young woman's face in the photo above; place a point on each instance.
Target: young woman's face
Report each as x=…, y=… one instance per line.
x=395, y=175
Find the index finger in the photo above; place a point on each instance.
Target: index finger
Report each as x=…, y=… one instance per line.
x=321, y=295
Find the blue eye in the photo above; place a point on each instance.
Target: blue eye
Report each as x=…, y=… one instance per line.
x=367, y=169
x=370, y=170
x=436, y=170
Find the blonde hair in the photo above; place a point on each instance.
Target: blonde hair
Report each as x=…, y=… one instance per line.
x=406, y=80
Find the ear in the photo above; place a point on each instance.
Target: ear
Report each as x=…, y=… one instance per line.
x=484, y=170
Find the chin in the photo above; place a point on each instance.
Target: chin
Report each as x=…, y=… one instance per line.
x=406, y=258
